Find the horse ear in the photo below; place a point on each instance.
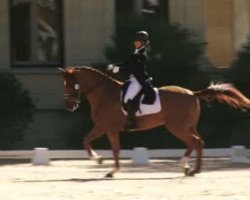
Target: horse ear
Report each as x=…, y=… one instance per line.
x=61, y=69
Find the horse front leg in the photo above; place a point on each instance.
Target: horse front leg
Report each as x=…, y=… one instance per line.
x=115, y=144
x=95, y=133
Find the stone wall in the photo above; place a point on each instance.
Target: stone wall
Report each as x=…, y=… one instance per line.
x=88, y=27
x=223, y=24
x=241, y=22
x=189, y=14
x=46, y=89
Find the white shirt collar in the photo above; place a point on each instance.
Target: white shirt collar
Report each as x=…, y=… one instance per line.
x=137, y=50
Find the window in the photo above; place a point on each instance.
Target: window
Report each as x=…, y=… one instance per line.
x=155, y=8
x=148, y=8
x=125, y=7
x=36, y=32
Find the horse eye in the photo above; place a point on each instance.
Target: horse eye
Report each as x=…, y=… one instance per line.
x=77, y=86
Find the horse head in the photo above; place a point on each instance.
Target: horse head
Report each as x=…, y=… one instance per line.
x=72, y=90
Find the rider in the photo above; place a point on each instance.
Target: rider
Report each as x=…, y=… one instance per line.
x=135, y=66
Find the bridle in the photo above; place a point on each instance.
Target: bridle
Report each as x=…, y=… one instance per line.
x=75, y=97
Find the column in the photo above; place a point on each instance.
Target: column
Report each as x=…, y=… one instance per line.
x=4, y=35
x=228, y=26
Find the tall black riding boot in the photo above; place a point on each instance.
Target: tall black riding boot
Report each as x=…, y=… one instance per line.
x=131, y=119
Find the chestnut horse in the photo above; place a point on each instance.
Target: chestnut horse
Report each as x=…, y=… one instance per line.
x=180, y=110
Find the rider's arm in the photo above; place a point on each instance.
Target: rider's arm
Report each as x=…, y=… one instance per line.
x=123, y=66
x=133, y=62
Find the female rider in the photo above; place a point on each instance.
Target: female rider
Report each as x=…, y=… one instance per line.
x=139, y=79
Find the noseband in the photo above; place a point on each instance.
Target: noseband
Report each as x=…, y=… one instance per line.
x=76, y=96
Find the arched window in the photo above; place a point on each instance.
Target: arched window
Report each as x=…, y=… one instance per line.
x=36, y=32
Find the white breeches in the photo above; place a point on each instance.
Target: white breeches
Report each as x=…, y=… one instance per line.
x=133, y=89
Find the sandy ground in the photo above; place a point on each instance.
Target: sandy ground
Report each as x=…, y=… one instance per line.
x=161, y=179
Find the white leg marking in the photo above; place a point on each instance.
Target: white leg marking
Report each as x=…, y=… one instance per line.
x=184, y=162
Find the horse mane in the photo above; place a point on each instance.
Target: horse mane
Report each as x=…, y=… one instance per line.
x=95, y=71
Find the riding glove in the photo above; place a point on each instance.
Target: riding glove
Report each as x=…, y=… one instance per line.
x=110, y=67
x=115, y=69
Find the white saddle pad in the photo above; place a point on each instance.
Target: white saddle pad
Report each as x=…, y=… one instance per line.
x=146, y=109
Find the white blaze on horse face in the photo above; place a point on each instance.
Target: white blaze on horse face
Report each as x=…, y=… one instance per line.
x=64, y=83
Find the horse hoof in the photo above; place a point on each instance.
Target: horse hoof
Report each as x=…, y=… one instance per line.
x=186, y=171
x=192, y=173
x=109, y=175
x=99, y=160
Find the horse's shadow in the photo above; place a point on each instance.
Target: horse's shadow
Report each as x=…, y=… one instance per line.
x=84, y=180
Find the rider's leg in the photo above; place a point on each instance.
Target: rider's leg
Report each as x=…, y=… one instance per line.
x=149, y=93
x=131, y=119
x=133, y=89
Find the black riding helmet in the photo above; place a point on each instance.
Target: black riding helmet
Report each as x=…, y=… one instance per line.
x=143, y=37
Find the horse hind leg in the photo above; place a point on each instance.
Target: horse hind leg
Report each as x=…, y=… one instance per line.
x=198, y=146
x=185, y=159
x=193, y=142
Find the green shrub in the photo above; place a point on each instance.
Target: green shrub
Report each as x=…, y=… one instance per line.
x=240, y=76
x=16, y=110
x=240, y=70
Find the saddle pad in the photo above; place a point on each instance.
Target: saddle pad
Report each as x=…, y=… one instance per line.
x=146, y=109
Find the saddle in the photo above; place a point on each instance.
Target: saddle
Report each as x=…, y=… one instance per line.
x=146, y=95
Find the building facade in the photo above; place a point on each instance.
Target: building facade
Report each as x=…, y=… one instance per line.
x=37, y=36
x=224, y=25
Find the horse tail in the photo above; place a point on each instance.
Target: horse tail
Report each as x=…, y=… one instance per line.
x=224, y=93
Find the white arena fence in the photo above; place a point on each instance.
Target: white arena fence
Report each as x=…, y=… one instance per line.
x=240, y=154
x=237, y=154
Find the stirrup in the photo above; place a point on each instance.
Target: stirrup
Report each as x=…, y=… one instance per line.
x=130, y=124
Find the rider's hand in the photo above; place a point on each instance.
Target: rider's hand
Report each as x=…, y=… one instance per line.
x=110, y=67
x=116, y=69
